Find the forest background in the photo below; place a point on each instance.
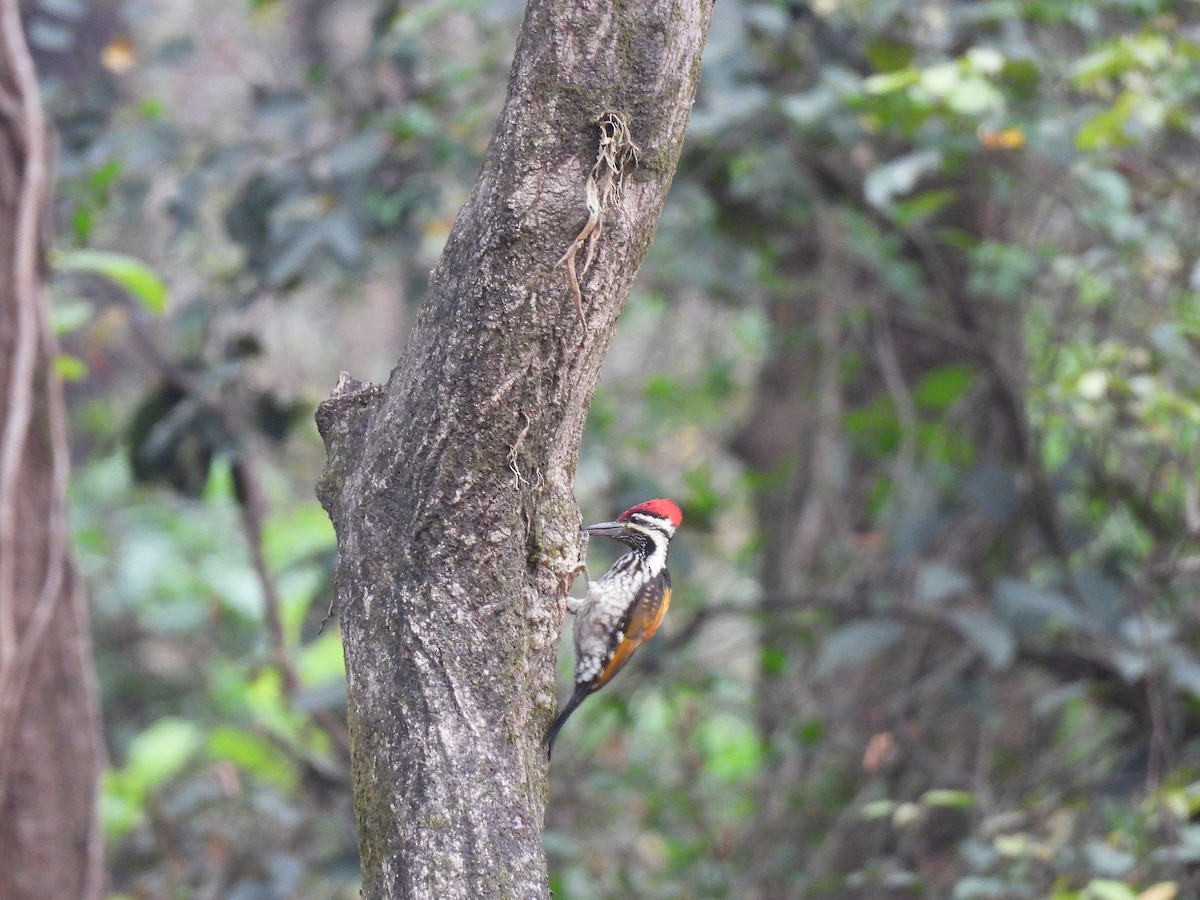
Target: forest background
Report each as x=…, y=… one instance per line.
x=915, y=348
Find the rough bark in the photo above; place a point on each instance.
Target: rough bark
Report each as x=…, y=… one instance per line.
x=50, y=746
x=451, y=488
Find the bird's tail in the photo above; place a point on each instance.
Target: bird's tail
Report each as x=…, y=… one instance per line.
x=564, y=714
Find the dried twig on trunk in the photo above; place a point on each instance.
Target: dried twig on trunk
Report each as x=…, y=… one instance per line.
x=604, y=183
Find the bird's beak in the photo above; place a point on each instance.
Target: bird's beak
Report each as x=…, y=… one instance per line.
x=606, y=529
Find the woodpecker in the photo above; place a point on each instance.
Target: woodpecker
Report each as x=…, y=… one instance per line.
x=626, y=605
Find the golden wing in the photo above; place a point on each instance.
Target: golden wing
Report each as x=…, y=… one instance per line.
x=641, y=621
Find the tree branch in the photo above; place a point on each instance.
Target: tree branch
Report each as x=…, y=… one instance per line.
x=50, y=741
x=451, y=488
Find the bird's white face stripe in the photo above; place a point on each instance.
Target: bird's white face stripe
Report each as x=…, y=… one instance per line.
x=656, y=559
x=650, y=524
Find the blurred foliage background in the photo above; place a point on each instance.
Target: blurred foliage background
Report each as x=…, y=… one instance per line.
x=917, y=349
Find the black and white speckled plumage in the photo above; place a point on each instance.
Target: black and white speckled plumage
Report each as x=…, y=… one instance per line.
x=600, y=619
x=624, y=607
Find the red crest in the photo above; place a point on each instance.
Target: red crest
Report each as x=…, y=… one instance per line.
x=663, y=508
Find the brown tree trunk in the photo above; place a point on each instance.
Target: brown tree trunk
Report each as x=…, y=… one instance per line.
x=451, y=488
x=50, y=745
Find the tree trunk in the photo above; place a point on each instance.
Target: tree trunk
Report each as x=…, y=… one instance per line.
x=50, y=745
x=451, y=488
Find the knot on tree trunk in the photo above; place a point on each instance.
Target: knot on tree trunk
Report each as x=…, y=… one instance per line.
x=343, y=421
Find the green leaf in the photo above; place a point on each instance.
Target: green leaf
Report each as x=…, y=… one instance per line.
x=83, y=220
x=878, y=809
x=892, y=81
x=942, y=387
x=414, y=122
x=981, y=887
x=1107, y=129
x=1110, y=60
x=1107, y=889
x=856, y=644
x=937, y=582
x=251, y=753
x=264, y=698
x=286, y=262
x=1020, y=600
x=323, y=661
x=119, y=813
x=887, y=55
x=898, y=177
x=1093, y=385
x=1105, y=858
x=948, y=799
x=1110, y=188
x=159, y=753
x=131, y=274
x=152, y=108
x=941, y=79
x=773, y=661
x=921, y=206
x=1120, y=57
x=985, y=60
x=70, y=368
x=68, y=316
x=357, y=155
x=730, y=747
x=811, y=731
x=874, y=429
x=299, y=533
x=974, y=95
x=1021, y=77
x=992, y=638
x=105, y=176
